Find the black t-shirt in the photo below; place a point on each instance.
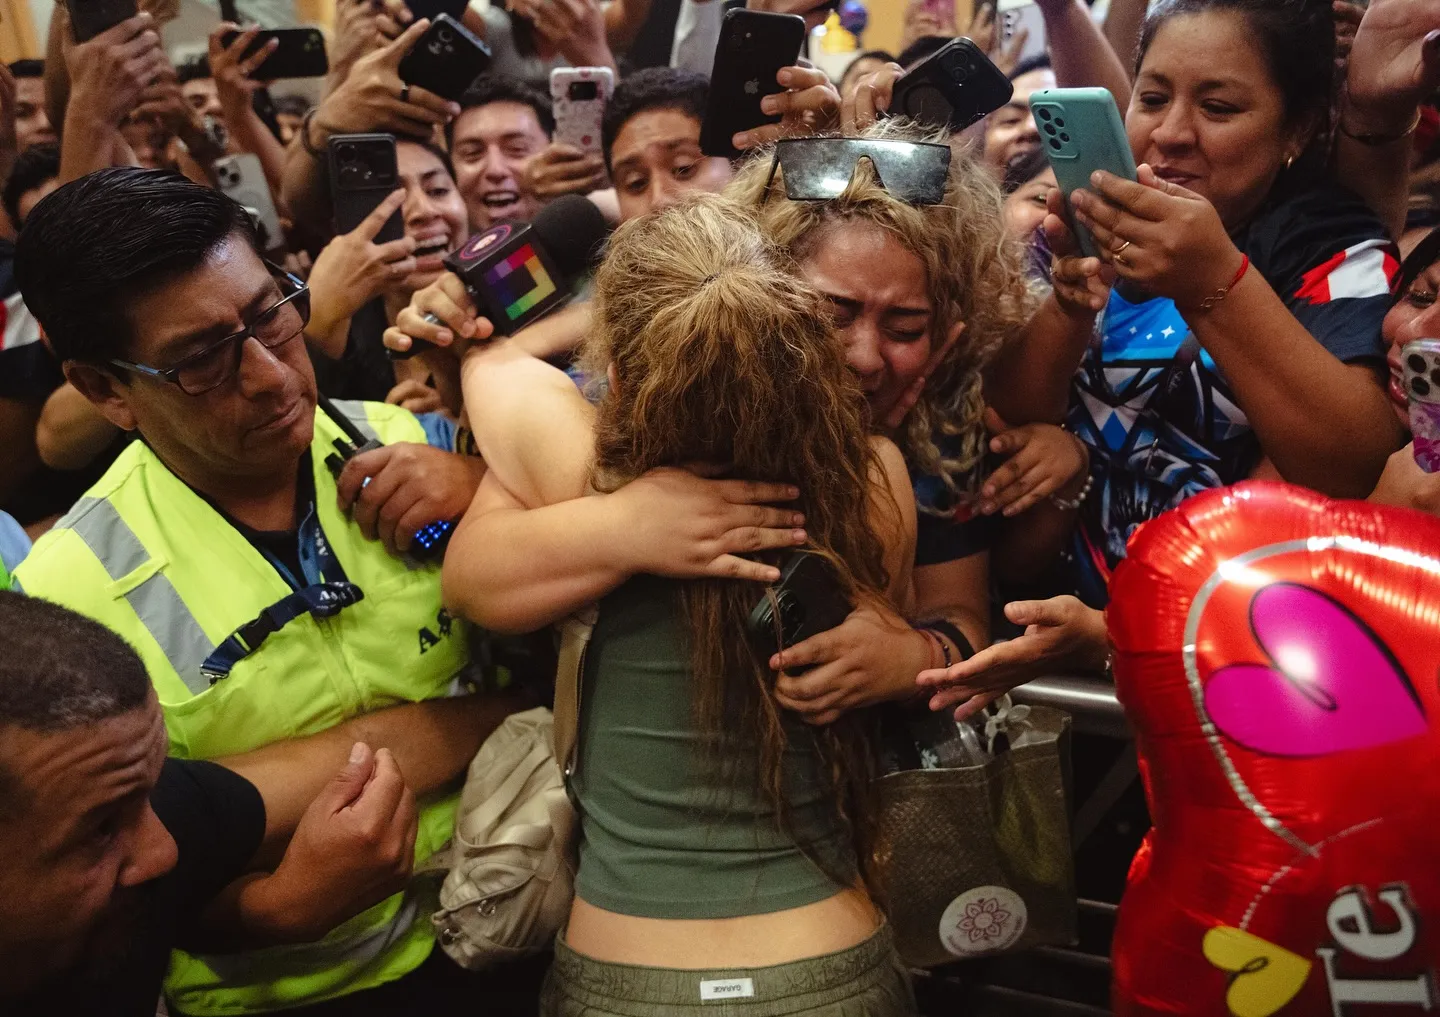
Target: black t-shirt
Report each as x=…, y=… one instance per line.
x=217, y=819
x=364, y=370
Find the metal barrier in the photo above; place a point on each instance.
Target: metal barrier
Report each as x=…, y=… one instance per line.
x=1071, y=980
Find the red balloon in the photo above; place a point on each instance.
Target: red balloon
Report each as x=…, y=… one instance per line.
x=1277, y=654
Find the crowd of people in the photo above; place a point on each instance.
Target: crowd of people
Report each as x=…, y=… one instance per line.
x=238, y=701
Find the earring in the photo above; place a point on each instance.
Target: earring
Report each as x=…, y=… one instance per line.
x=1290, y=162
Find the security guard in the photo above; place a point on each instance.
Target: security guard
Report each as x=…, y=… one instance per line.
x=217, y=544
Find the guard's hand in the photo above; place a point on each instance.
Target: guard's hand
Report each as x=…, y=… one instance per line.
x=409, y=487
x=354, y=847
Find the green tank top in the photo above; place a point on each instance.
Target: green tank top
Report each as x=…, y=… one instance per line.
x=662, y=838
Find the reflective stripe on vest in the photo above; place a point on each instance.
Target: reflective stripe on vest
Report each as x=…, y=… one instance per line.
x=354, y=411
x=246, y=969
x=155, y=601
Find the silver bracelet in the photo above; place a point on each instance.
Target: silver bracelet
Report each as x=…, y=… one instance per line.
x=1071, y=504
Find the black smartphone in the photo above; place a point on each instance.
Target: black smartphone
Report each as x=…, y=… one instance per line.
x=363, y=173
x=810, y=601
x=432, y=9
x=88, y=18
x=952, y=88
x=301, y=53
x=753, y=46
x=446, y=59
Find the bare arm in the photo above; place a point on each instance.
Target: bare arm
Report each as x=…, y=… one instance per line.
x=18, y=456
x=1080, y=52
x=71, y=432
x=1122, y=29
x=1029, y=380
x=433, y=742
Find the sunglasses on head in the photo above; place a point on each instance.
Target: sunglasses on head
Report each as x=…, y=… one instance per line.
x=818, y=169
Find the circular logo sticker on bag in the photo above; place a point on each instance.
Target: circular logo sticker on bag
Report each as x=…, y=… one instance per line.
x=983, y=920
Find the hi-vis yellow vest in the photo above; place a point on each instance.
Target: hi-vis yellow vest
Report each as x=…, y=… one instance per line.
x=150, y=559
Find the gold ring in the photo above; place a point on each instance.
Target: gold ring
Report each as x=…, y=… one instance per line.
x=1121, y=250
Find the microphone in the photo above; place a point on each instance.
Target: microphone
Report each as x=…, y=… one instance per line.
x=517, y=273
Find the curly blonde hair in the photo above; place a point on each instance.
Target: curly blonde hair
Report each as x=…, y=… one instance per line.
x=975, y=273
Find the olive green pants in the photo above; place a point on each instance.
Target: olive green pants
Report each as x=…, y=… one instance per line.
x=865, y=981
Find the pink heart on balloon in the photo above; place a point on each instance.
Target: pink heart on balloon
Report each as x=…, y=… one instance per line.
x=1333, y=685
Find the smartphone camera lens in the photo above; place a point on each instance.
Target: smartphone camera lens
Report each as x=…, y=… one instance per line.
x=1050, y=130
x=1420, y=386
x=583, y=91
x=1060, y=123
x=1065, y=137
x=446, y=36
x=1435, y=376
x=1055, y=144
x=1416, y=363
x=1043, y=113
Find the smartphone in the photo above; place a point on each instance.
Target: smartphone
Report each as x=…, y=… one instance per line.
x=952, y=88
x=88, y=18
x=243, y=179
x=753, y=47
x=1420, y=360
x=363, y=173
x=1081, y=132
x=446, y=59
x=301, y=53
x=579, y=95
x=1022, y=17
x=810, y=600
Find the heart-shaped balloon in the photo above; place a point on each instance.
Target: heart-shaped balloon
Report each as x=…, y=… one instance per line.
x=1277, y=654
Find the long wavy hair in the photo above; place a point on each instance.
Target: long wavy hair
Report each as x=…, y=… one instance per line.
x=721, y=355
x=975, y=273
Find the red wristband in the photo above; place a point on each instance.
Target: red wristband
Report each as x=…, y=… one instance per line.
x=1209, y=302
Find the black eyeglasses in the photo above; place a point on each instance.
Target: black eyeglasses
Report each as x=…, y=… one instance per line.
x=217, y=363
x=818, y=169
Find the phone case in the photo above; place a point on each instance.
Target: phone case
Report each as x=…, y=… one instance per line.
x=363, y=173
x=1081, y=132
x=1027, y=17
x=1421, y=363
x=301, y=53
x=88, y=18
x=577, y=119
x=953, y=87
x=810, y=600
x=753, y=47
x=446, y=59
x=243, y=179
x=432, y=9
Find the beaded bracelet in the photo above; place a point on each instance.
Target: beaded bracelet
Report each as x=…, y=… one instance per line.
x=1071, y=504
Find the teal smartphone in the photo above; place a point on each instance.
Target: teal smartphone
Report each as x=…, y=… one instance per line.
x=1081, y=132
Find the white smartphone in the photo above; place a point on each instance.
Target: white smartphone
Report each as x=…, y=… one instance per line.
x=1016, y=16
x=1421, y=363
x=242, y=178
x=579, y=95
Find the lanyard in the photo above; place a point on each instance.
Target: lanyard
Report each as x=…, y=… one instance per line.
x=324, y=593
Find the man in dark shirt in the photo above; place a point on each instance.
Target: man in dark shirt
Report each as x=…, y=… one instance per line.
x=113, y=854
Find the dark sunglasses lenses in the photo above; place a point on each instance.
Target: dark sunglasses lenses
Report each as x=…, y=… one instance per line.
x=818, y=169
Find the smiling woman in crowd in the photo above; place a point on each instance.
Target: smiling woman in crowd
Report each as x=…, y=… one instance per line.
x=360, y=286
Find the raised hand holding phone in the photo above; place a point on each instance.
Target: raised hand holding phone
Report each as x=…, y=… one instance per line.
x=1081, y=133
x=754, y=47
x=1420, y=362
